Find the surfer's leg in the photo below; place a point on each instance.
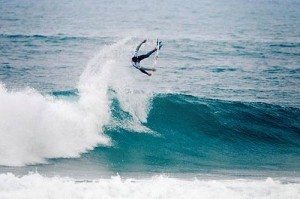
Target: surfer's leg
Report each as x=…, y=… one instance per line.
x=150, y=69
x=141, y=57
x=145, y=72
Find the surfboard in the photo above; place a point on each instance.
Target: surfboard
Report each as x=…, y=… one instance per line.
x=156, y=54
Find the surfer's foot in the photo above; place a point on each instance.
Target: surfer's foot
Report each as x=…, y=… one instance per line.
x=159, y=44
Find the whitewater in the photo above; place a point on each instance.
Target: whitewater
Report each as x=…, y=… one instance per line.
x=37, y=186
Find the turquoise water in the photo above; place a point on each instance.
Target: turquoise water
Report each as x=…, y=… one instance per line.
x=224, y=100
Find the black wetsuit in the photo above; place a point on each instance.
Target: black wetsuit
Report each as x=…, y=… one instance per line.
x=136, y=60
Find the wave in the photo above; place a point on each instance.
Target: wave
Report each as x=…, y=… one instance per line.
x=37, y=186
x=192, y=134
x=144, y=131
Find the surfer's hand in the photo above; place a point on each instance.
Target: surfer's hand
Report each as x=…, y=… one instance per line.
x=144, y=41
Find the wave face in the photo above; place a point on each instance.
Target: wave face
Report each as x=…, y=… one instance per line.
x=191, y=134
x=181, y=133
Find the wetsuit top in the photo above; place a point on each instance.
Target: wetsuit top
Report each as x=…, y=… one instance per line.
x=135, y=60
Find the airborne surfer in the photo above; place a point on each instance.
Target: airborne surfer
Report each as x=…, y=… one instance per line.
x=135, y=60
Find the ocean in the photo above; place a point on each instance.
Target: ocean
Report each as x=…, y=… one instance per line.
x=220, y=118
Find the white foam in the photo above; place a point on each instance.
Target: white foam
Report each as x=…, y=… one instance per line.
x=36, y=186
x=34, y=127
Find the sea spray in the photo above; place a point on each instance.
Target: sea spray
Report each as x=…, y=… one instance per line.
x=129, y=86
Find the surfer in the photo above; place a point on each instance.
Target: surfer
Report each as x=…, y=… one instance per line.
x=135, y=60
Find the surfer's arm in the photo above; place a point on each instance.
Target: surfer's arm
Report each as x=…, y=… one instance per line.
x=138, y=47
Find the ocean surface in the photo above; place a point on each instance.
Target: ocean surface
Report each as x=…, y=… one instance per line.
x=220, y=118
